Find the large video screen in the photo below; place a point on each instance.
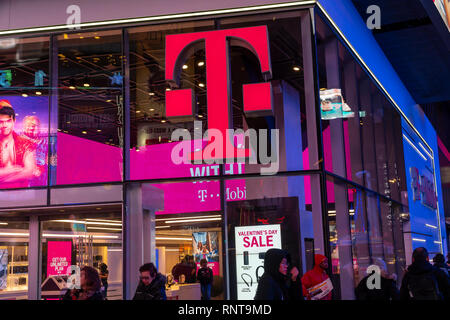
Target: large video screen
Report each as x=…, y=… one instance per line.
x=23, y=141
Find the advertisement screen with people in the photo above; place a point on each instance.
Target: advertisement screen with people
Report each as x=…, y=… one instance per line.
x=23, y=141
x=205, y=246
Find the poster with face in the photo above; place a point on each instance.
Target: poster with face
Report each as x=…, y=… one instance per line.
x=3, y=268
x=23, y=141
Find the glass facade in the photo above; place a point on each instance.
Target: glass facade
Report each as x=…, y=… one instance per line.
x=109, y=126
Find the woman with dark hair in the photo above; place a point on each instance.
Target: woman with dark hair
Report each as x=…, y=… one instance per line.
x=90, y=286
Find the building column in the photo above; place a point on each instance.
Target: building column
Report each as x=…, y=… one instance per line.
x=344, y=241
x=34, y=259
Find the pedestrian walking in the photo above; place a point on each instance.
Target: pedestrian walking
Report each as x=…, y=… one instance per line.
x=205, y=277
x=104, y=273
x=277, y=283
x=422, y=281
x=152, y=284
x=316, y=282
x=439, y=262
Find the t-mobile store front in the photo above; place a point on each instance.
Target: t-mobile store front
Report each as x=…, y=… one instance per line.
x=217, y=138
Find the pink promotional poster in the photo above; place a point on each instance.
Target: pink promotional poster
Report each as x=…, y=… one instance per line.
x=23, y=141
x=59, y=257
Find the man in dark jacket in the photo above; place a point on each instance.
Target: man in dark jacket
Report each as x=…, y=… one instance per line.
x=422, y=281
x=152, y=285
x=277, y=283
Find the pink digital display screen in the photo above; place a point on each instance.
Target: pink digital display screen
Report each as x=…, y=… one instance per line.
x=59, y=257
x=23, y=141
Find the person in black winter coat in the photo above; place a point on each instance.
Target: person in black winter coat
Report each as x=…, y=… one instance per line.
x=152, y=285
x=205, y=276
x=422, y=281
x=439, y=262
x=388, y=288
x=277, y=283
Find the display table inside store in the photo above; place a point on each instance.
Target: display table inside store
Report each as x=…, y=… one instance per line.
x=187, y=291
x=14, y=295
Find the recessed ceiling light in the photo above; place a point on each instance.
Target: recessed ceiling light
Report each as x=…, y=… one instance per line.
x=295, y=68
x=167, y=89
x=24, y=95
x=72, y=87
x=200, y=116
x=138, y=111
x=38, y=93
x=96, y=37
x=201, y=64
x=86, y=85
x=83, y=132
x=201, y=84
x=151, y=93
x=151, y=109
x=99, y=130
x=108, y=100
x=163, y=121
x=185, y=66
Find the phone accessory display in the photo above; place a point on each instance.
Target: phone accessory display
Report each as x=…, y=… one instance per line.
x=257, y=273
x=248, y=277
x=245, y=258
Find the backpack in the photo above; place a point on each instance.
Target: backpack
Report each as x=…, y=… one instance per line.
x=423, y=287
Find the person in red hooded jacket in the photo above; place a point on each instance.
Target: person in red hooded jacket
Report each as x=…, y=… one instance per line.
x=318, y=278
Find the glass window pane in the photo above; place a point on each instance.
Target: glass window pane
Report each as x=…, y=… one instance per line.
x=14, y=240
x=88, y=135
x=80, y=237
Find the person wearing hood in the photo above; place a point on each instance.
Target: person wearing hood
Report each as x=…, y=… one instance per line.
x=439, y=262
x=422, y=281
x=277, y=281
x=316, y=281
x=388, y=288
x=152, y=284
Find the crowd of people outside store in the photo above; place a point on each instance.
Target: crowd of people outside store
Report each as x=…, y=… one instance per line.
x=281, y=280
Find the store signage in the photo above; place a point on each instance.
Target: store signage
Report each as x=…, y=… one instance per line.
x=423, y=188
x=251, y=244
x=257, y=96
x=59, y=257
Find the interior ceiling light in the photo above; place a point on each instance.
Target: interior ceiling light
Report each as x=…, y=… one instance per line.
x=201, y=64
x=185, y=66
x=194, y=220
x=187, y=218
x=172, y=238
x=101, y=228
x=201, y=84
x=38, y=93
x=151, y=93
x=295, y=68
x=14, y=234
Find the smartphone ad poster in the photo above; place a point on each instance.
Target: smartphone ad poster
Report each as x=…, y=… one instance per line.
x=251, y=244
